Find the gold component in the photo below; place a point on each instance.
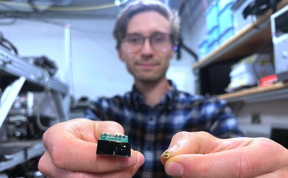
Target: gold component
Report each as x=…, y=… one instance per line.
x=166, y=154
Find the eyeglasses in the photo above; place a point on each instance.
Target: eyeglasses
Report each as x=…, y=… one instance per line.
x=133, y=43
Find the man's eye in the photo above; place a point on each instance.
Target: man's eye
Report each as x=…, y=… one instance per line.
x=158, y=39
x=134, y=40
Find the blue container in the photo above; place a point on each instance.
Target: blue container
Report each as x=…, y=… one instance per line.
x=223, y=3
x=226, y=35
x=203, y=48
x=212, y=16
x=213, y=34
x=225, y=18
x=212, y=46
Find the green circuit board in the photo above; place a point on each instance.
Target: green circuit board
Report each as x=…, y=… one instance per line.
x=114, y=137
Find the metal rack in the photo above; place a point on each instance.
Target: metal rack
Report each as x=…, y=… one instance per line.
x=18, y=74
x=19, y=152
x=25, y=76
x=13, y=65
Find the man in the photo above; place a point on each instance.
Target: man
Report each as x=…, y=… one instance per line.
x=157, y=118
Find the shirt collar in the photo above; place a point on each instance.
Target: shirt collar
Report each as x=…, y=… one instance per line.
x=167, y=99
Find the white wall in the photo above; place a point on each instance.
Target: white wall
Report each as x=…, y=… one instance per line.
x=272, y=114
x=96, y=70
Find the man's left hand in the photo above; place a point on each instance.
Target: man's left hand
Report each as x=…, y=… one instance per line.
x=199, y=154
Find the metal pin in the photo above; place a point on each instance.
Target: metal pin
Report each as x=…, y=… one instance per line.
x=166, y=154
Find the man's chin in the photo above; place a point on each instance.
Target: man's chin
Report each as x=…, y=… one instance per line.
x=148, y=79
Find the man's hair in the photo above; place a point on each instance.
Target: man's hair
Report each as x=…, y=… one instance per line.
x=143, y=6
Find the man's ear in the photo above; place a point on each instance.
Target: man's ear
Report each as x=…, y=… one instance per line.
x=172, y=52
x=120, y=54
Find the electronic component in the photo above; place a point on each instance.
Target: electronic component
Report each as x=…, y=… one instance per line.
x=166, y=154
x=113, y=145
x=279, y=30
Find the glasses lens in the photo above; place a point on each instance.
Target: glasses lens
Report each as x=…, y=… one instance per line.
x=161, y=42
x=133, y=43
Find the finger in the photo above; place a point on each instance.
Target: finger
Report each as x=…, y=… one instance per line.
x=200, y=143
x=123, y=173
x=72, y=149
x=239, y=162
x=83, y=129
x=275, y=174
x=47, y=168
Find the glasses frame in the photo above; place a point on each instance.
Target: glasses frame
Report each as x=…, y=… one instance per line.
x=171, y=38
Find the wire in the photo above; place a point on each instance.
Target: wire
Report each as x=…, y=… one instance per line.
x=9, y=23
x=41, y=104
x=11, y=46
x=84, y=8
x=33, y=6
x=7, y=44
x=7, y=6
x=58, y=24
x=28, y=16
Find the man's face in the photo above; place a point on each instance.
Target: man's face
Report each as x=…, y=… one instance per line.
x=147, y=64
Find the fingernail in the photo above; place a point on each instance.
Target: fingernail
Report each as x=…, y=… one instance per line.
x=174, y=169
x=173, y=148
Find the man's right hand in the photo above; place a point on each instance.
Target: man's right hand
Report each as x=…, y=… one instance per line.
x=71, y=152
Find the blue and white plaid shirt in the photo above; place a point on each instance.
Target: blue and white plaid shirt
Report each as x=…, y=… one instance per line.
x=151, y=128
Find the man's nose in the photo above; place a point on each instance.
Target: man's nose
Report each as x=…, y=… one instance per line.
x=147, y=48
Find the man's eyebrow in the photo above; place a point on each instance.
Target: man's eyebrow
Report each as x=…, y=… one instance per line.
x=154, y=33
x=134, y=34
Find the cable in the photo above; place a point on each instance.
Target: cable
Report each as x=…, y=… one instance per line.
x=28, y=17
x=4, y=42
x=33, y=6
x=58, y=24
x=7, y=6
x=40, y=105
x=188, y=14
x=41, y=7
x=180, y=39
x=9, y=23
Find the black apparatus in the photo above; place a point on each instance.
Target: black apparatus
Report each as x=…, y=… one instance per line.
x=181, y=44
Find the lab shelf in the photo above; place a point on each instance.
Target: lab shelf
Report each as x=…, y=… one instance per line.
x=20, y=75
x=245, y=42
x=258, y=94
x=36, y=78
x=18, y=152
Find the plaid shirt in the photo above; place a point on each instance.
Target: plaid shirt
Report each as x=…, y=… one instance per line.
x=150, y=128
